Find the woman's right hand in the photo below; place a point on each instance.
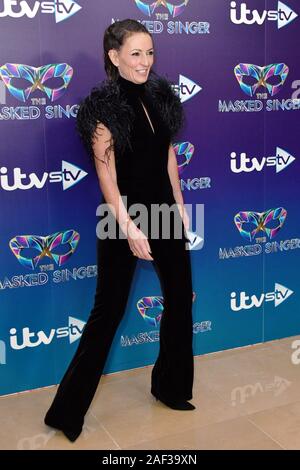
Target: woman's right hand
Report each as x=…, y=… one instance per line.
x=138, y=242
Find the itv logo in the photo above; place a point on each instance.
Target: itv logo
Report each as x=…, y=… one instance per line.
x=62, y=9
x=284, y=15
x=186, y=88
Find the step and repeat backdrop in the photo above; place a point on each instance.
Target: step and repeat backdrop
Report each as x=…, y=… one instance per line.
x=236, y=67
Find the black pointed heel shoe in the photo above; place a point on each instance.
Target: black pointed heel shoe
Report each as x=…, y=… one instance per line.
x=175, y=405
x=72, y=435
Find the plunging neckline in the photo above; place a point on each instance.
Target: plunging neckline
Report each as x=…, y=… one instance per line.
x=136, y=91
x=147, y=115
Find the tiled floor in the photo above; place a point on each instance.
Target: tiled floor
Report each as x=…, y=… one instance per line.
x=246, y=398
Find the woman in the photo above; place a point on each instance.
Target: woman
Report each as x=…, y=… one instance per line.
x=127, y=125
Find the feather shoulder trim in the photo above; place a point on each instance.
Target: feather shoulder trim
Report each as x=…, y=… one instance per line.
x=108, y=105
x=168, y=103
x=104, y=105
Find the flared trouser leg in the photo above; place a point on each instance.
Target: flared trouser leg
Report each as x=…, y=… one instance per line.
x=116, y=266
x=173, y=371
x=172, y=375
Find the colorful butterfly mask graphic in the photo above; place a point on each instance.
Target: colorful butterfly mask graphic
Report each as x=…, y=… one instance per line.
x=148, y=8
x=184, y=152
x=37, y=77
x=148, y=305
x=274, y=218
x=45, y=246
x=262, y=75
x=153, y=306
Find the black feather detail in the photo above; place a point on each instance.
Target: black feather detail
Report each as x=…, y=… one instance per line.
x=108, y=105
x=167, y=102
x=104, y=105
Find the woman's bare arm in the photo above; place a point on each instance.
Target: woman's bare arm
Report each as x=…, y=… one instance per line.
x=107, y=176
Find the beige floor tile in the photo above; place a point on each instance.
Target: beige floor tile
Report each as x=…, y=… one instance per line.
x=285, y=342
x=146, y=423
x=253, y=380
x=258, y=383
x=113, y=397
x=93, y=437
x=237, y=434
x=276, y=359
x=219, y=374
x=117, y=376
x=23, y=428
x=137, y=423
x=21, y=417
x=235, y=351
x=281, y=423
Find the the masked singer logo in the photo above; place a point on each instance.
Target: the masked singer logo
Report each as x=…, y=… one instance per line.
x=59, y=247
x=52, y=79
x=247, y=73
x=184, y=152
x=151, y=309
x=175, y=8
x=269, y=222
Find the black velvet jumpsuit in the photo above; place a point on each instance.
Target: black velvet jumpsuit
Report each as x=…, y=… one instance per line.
x=142, y=176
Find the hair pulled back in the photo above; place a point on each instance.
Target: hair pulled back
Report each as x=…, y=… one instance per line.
x=114, y=37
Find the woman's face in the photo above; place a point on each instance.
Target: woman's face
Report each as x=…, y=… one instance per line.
x=135, y=57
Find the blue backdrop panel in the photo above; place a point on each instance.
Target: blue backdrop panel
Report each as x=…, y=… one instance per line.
x=236, y=68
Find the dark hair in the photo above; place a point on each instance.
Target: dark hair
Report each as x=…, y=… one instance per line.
x=114, y=37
